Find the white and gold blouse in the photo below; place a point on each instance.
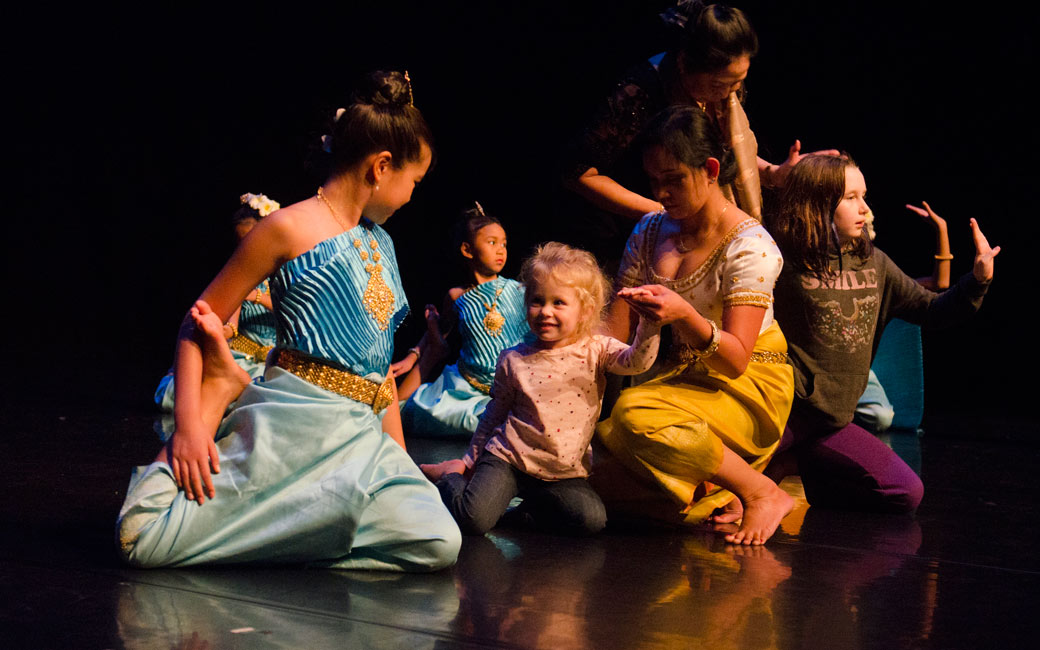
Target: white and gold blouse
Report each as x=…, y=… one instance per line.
x=740, y=270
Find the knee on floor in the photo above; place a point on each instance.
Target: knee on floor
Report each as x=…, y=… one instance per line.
x=442, y=551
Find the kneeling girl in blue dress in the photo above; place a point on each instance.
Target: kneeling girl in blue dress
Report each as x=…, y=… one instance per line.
x=309, y=466
x=533, y=438
x=489, y=312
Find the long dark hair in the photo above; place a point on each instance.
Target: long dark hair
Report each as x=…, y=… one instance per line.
x=803, y=222
x=690, y=137
x=380, y=117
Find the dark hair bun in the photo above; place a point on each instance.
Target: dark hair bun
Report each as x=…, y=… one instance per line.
x=380, y=88
x=379, y=117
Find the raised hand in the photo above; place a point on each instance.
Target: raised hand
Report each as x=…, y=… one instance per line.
x=984, y=254
x=778, y=173
x=928, y=214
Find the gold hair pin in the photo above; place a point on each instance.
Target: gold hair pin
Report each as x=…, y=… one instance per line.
x=411, y=99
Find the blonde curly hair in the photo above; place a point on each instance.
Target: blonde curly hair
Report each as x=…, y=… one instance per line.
x=570, y=267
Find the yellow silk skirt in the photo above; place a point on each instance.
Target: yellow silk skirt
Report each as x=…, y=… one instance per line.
x=670, y=430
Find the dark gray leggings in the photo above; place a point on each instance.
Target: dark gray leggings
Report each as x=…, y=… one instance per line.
x=567, y=506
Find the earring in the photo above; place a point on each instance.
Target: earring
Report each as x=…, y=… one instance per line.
x=711, y=181
x=377, y=187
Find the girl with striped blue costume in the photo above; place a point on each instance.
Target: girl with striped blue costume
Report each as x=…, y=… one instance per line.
x=251, y=329
x=490, y=316
x=309, y=466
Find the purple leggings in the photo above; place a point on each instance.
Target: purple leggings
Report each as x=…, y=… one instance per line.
x=850, y=469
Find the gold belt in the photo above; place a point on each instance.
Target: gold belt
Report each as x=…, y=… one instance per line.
x=341, y=382
x=248, y=346
x=769, y=357
x=686, y=355
x=484, y=388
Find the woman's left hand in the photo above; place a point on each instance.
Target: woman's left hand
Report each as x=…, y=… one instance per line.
x=656, y=303
x=983, y=269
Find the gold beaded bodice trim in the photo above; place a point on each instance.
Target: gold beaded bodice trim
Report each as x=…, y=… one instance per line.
x=341, y=382
x=680, y=285
x=248, y=346
x=378, y=298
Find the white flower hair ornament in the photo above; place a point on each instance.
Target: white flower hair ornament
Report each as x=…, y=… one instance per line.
x=869, y=225
x=260, y=203
x=326, y=143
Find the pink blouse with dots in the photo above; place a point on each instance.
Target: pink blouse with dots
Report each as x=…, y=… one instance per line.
x=545, y=403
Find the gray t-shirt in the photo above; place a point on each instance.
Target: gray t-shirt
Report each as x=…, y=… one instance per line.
x=833, y=327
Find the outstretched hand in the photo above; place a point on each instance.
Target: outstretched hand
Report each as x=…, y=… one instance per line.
x=656, y=303
x=928, y=214
x=984, y=254
x=794, y=156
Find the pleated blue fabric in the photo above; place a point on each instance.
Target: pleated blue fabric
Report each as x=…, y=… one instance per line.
x=450, y=406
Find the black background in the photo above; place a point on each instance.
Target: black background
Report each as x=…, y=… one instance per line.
x=130, y=134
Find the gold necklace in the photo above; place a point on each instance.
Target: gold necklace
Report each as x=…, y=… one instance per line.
x=493, y=320
x=681, y=246
x=335, y=215
x=378, y=299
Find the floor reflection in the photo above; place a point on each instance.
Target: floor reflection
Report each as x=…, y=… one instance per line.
x=282, y=608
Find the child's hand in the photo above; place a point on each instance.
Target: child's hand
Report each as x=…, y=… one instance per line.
x=634, y=292
x=927, y=213
x=192, y=457
x=436, y=472
x=404, y=366
x=983, y=269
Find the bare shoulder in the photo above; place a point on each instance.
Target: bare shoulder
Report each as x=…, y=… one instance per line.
x=454, y=293
x=295, y=229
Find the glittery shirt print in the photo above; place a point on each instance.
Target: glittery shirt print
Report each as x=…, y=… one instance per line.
x=846, y=319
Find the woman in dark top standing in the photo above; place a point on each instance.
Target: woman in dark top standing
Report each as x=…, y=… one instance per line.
x=706, y=69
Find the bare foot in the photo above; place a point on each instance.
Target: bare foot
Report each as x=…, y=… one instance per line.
x=729, y=513
x=437, y=472
x=762, y=515
x=222, y=379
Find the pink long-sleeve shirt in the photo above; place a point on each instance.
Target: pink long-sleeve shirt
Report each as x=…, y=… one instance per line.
x=545, y=403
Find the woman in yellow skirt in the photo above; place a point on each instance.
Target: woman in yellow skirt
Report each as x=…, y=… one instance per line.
x=703, y=430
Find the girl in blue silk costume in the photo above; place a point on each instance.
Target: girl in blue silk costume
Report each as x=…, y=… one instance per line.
x=309, y=466
x=490, y=316
x=251, y=329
